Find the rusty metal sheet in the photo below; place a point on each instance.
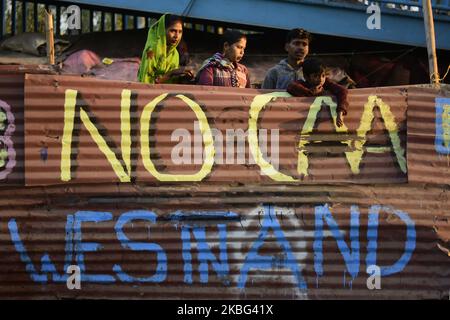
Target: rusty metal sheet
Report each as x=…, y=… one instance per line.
x=11, y=130
x=429, y=135
x=236, y=235
x=76, y=132
x=250, y=242
x=22, y=69
x=12, y=165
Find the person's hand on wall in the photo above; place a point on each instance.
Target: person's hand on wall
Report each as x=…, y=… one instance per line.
x=186, y=72
x=340, y=119
x=317, y=91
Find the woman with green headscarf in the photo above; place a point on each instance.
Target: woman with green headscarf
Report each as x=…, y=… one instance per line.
x=160, y=58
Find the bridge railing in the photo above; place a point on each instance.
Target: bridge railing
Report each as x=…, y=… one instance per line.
x=28, y=16
x=440, y=7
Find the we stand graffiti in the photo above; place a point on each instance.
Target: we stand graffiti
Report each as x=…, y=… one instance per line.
x=194, y=237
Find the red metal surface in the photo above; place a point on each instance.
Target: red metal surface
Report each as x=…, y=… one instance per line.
x=12, y=165
x=41, y=224
x=236, y=234
x=11, y=133
x=225, y=109
x=425, y=162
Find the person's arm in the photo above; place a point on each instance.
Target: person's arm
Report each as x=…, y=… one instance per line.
x=164, y=79
x=206, y=77
x=341, y=95
x=247, y=75
x=297, y=89
x=270, y=80
x=171, y=75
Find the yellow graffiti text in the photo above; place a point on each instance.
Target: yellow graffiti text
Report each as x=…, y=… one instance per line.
x=204, y=129
x=446, y=125
x=365, y=126
x=308, y=126
x=258, y=104
x=69, y=118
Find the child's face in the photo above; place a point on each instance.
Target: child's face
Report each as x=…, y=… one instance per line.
x=315, y=79
x=235, y=52
x=297, y=49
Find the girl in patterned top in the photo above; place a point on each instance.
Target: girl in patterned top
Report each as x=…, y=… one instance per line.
x=223, y=69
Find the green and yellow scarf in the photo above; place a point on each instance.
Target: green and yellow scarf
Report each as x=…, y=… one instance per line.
x=162, y=61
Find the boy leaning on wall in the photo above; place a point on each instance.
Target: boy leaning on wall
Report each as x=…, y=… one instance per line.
x=316, y=83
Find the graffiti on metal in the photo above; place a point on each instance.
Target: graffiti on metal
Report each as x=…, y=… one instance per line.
x=7, y=151
x=259, y=102
x=428, y=145
x=194, y=234
x=123, y=135
x=442, y=142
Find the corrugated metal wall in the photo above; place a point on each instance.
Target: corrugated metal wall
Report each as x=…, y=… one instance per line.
x=429, y=136
x=234, y=235
x=330, y=154
x=11, y=94
x=277, y=250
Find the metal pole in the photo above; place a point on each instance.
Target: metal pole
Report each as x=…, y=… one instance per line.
x=24, y=16
x=50, y=39
x=35, y=17
x=113, y=21
x=13, y=17
x=91, y=21
x=58, y=20
x=102, y=28
x=431, y=42
x=3, y=18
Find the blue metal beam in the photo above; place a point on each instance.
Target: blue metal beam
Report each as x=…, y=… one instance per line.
x=317, y=16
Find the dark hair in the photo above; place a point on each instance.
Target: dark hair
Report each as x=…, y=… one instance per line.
x=171, y=19
x=298, y=33
x=311, y=66
x=232, y=36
